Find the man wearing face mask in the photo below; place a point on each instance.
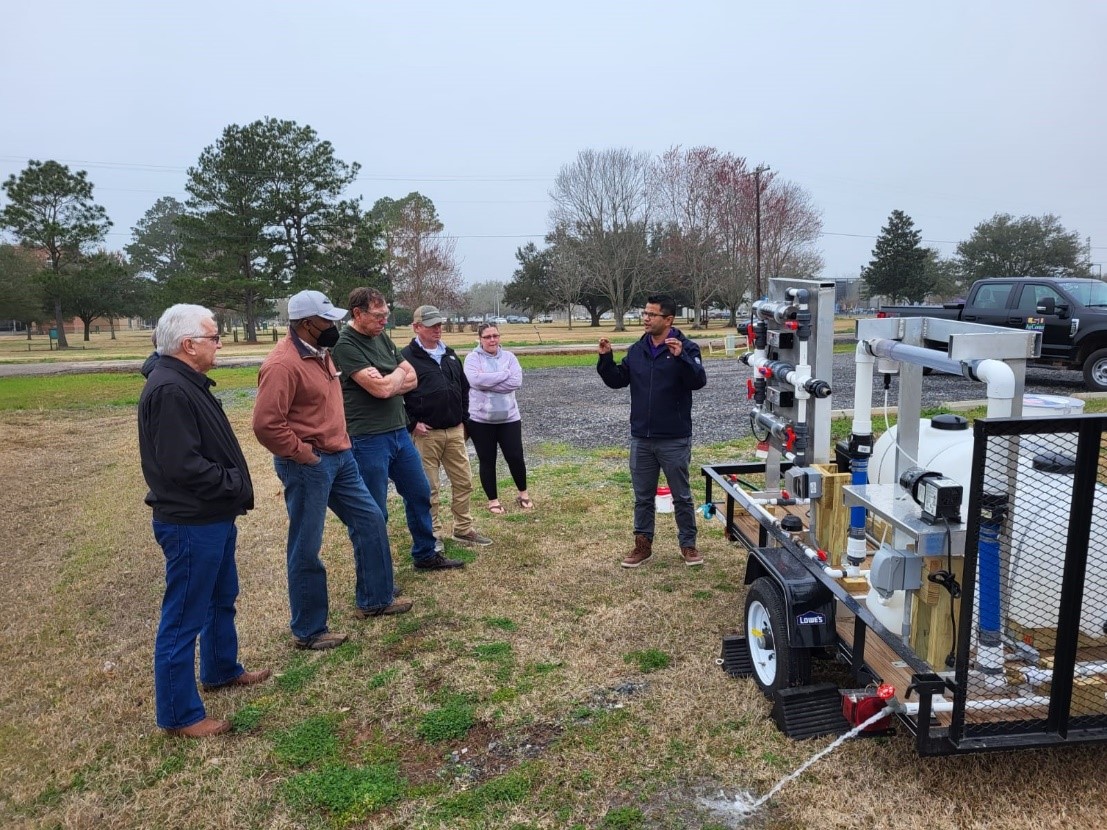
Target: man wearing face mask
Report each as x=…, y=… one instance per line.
x=299, y=417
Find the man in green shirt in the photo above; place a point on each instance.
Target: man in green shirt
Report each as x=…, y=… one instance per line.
x=374, y=379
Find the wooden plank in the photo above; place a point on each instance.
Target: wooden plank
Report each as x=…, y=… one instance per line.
x=832, y=526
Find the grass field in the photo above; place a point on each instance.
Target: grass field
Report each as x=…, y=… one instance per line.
x=541, y=687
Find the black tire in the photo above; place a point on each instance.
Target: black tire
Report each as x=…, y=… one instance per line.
x=1095, y=371
x=776, y=663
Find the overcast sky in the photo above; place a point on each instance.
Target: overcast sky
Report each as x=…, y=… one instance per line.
x=949, y=111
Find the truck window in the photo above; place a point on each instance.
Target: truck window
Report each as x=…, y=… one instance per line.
x=992, y=296
x=1033, y=294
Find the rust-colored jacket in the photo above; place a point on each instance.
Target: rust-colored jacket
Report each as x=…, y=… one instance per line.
x=299, y=404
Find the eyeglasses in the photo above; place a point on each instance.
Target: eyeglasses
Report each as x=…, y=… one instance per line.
x=376, y=315
x=214, y=338
x=649, y=315
x=490, y=337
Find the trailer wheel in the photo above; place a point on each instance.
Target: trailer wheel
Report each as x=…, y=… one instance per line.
x=1095, y=371
x=776, y=663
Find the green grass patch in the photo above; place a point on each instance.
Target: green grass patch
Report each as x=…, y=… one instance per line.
x=448, y=722
x=648, y=660
x=314, y=739
x=381, y=679
x=502, y=623
x=623, y=818
x=492, y=652
x=510, y=788
x=346, y=793
x=247, y=717
x=298, y=674
x=555, y=361
x=96, y=389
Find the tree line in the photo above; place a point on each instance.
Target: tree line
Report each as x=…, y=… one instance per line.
x=1003, y=246
x=697, y=223
x=267, y=213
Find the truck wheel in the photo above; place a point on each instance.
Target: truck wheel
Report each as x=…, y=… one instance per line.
x=776, y=663
x=1095, y=371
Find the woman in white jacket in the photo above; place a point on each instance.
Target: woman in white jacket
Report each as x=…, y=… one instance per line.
x=494, y=375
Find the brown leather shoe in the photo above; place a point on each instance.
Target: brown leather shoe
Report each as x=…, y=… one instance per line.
x=691, y=556
x=320, y=642
x=397, y=606
x=643, y=550
x=207, y=728
x=247, y=678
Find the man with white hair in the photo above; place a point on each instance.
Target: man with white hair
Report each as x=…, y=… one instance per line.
x=199, y=485
x=299, y=417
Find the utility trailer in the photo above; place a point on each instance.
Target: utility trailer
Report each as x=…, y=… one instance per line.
x=973, y=600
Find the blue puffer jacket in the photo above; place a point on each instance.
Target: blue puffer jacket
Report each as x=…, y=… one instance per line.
x=660, y=388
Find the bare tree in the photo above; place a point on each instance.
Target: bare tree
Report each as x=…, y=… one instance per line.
x=790, y=225
x=567, y=275
x=689, y=249
x=421, y=264
x=602, y=205
x=733, y=198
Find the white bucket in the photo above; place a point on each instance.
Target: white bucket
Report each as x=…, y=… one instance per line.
x=1050, y=406
x=663, y=501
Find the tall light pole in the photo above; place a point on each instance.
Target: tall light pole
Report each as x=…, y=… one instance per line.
x=761, y=168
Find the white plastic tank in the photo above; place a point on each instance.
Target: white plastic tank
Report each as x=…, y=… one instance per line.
x=1039, y=518
x=945, y=443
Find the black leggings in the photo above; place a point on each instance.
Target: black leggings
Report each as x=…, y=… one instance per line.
x=509, y=436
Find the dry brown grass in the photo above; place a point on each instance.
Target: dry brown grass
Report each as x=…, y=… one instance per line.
x=81, y=578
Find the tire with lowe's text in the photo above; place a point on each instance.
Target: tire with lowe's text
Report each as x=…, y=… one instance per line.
x=776, y=663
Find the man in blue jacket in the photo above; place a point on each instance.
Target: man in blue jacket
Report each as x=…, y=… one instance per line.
x=662, y=369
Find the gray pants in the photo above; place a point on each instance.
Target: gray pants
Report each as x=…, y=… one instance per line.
x=648, y=458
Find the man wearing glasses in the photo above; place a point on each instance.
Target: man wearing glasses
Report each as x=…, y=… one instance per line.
x=199, y=485
x=375, y=377
x=662, y=369
x=298, y=416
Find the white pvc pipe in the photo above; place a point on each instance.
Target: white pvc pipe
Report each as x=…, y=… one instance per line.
x=863, y=391
x=1000, y=379
x=941, y=704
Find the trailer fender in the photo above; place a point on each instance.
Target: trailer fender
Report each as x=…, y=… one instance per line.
x=808, y=603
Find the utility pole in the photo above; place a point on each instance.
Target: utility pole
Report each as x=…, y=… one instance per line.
x=761, y=168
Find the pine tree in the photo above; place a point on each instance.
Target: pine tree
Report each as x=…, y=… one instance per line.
x=898, y=267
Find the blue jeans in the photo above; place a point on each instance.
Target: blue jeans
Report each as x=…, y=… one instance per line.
x=201, y=585
x=392, y=455
x=308, y=491
x=648, y=457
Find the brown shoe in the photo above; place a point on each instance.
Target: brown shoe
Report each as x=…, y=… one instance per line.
x=691, y=556
x=320, y=642
x=207, y=728
x=397, y=606
x=247, y=678
x=643, y=550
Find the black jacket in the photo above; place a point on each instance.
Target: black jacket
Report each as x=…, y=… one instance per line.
x=191, y=459
x=441, y=400
x=660, y=387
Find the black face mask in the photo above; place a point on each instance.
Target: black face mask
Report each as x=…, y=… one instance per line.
x=327, y=337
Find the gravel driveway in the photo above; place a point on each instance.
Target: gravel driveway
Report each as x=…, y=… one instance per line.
x=572, y=405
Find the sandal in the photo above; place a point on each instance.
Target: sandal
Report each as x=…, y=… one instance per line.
x=496, y=509
x=524, y=503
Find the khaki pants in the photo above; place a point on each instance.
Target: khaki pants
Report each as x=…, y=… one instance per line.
x=446, y=448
